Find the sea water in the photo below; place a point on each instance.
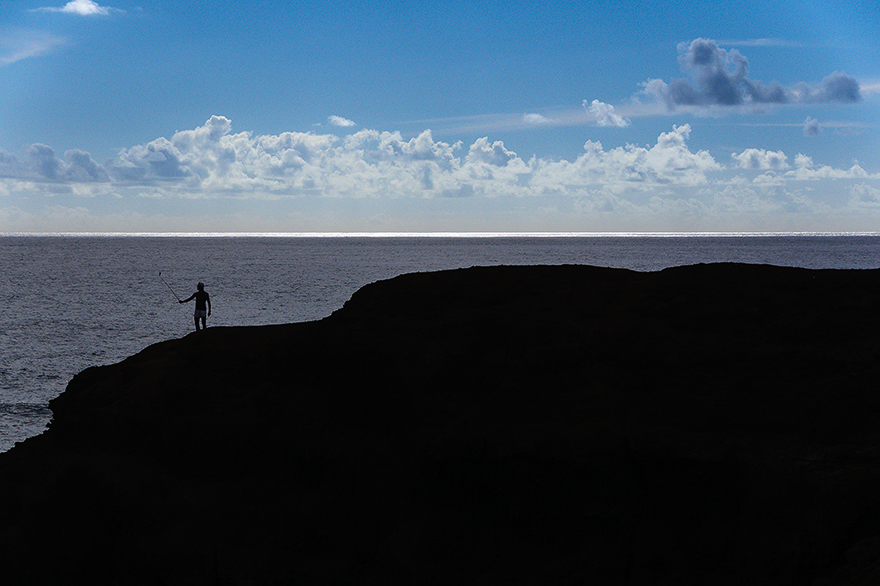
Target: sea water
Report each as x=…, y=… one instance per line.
x=71, y=302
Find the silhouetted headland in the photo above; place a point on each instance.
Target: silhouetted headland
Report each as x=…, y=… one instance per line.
x=711, y=424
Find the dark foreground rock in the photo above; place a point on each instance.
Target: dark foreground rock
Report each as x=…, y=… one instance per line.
x=714, y=424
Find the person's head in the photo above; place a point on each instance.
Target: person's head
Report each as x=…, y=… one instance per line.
x=201, y=286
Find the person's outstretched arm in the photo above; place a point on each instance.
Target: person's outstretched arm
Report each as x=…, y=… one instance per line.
x=190, y=298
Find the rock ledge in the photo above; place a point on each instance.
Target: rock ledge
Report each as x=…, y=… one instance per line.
x=711, y=424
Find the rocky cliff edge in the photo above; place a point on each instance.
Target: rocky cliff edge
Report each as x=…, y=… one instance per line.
x=710, y=424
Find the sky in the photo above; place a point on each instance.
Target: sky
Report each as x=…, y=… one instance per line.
x=456, y=116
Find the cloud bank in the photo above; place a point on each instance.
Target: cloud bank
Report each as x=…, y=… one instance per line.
x=211, y=159
x=662, y=182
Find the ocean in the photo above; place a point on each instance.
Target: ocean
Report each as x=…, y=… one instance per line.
x=71, y=302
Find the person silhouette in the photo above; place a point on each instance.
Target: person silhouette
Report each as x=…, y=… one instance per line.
x=203, y=306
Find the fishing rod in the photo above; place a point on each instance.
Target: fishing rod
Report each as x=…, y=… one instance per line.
x=169, y=286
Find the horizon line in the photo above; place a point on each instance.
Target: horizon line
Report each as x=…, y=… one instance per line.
x=627, y=234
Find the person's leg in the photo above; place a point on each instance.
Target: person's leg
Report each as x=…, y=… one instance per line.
x=196, y=321
x=204, y=323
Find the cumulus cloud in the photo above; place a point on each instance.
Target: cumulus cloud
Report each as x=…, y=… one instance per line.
x=814, y=173
x=761, y=159
x=340, y=121
x=365, y=163
x=82, y=8
x=374, y=163
x=801, y=160
x=668, y=162
x=605, y=115
x=665, y=179
x=804, y=168
x=866, y=194
x=40, y=163
x=718, y=77
x=837, y=87
x=492, y=154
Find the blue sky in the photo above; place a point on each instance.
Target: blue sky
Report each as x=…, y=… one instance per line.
x=132, y=116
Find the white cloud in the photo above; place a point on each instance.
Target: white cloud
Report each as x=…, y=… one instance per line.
x=605, y=115
x=366, y=163
x=492, y=154
x=866, y=194
x=212, y=160
x=16, y=46
x=370, y=163
x=666, y=185
x=340, y=121
x=801, y=160
x=761, y=159
x=537, y=119
x=82, y=8
x=669, y=162
x=810, y=173
x=769, y=179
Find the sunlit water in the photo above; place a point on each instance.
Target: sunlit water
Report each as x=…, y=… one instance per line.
x=70, y=302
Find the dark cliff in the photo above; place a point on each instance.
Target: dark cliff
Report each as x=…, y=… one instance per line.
x=713, y=424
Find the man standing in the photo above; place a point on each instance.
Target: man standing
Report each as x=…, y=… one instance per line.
x=203, y=306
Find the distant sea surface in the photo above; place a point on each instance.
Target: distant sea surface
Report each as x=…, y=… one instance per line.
x=70, y=302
